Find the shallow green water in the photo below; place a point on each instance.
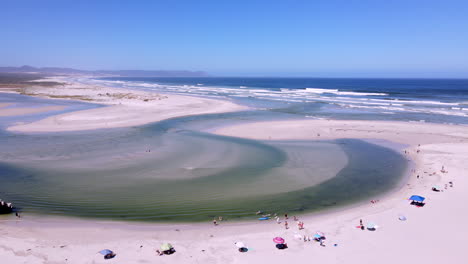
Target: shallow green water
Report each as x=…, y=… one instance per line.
x=156, y=173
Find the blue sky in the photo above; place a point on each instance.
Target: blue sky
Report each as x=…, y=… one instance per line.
x=367, y=38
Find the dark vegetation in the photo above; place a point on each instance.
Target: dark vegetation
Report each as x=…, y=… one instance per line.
x=23, y=80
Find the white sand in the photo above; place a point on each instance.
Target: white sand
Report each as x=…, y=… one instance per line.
x=122, y=108
x=436, y=233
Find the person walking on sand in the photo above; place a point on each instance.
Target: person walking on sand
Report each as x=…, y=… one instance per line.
x=286, y=224
x=301, y=225
x=214, y=222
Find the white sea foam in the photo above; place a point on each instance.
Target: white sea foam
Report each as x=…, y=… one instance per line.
x=344, y=99
x=338, y=92
x=423, y=102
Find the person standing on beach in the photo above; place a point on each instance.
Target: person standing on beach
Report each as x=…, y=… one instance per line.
x=301, y=225
x=286, y=216
x=214, y=222
x=286, y=224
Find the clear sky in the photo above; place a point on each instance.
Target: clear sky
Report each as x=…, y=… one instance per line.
x=366, y=38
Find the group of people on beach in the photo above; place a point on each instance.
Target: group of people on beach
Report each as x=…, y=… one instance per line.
x=217, y=220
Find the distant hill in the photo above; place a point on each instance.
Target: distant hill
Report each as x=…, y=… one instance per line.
x=127, y=73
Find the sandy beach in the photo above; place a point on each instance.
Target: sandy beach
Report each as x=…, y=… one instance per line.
x=121, y=107
x=431, y=234
x=240, y=132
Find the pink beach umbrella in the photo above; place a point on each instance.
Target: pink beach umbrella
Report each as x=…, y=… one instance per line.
x=278, y=240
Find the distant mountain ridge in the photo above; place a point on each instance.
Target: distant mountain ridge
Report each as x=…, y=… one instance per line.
x=127, y=73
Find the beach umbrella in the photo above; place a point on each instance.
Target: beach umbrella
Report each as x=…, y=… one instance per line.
x=278, y=240
x=371, y=225
x=106, y=251
x=317, y=236
x=240, y=244
x=166, y=246
x=402, y=217
x=417, y=198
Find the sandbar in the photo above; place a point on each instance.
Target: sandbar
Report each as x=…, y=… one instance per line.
x=121, y=107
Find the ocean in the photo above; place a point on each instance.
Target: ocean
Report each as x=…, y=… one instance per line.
x=425, y=100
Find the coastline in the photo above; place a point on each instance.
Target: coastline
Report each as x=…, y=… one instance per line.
x=440, y=145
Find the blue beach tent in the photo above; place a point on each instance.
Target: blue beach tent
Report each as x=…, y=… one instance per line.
x=417, y=198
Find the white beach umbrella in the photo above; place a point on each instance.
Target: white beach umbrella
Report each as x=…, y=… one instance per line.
x=240, y=244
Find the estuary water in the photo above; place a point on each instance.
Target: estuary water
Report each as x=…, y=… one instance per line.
x=175, y=171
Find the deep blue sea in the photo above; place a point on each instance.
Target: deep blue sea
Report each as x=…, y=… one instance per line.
x=430, y=100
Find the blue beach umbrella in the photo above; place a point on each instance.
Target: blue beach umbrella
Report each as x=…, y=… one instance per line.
x=417, y=198
x=106, y=251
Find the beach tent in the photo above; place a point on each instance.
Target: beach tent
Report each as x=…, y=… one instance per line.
x=417, y=198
